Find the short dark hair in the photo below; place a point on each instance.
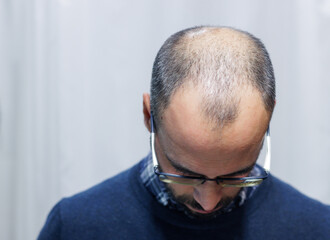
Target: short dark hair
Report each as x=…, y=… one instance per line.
x=206, y=56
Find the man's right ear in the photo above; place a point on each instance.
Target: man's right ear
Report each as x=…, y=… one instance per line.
x=146, y=111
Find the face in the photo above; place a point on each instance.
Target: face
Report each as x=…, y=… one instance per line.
x=188, y=144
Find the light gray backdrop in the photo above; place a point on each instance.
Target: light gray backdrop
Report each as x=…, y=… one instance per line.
x=72, y=74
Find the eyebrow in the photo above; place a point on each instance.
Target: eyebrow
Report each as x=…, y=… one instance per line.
x=184, y=170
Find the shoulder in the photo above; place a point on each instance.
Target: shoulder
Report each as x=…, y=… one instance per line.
x=295, y=213
x=290, y=198
x=92, y=209
x=104, y=198
x=105, y=190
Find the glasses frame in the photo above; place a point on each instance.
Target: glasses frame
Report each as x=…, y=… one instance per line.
x=223, y=181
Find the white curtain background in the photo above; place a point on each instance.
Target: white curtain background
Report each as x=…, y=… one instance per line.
x=72, y=74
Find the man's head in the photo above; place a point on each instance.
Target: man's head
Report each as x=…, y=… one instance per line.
x=212, y=97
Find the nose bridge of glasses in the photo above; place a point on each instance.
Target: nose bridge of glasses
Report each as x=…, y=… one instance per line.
x=210, y=181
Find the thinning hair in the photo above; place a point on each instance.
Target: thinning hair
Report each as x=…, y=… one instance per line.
x=220, y=61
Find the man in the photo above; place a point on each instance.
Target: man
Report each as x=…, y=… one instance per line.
x=212, y=98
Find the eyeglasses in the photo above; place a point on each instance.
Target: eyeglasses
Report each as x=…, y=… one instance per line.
x=222, y=181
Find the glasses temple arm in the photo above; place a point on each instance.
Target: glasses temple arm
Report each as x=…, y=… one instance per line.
x=268, y=155
x=152, y=141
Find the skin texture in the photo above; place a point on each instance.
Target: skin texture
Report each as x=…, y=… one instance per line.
x=190, y=140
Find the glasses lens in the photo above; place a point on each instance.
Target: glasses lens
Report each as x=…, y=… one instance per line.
x=241, y=183
x=178, y=180
x=224, y=183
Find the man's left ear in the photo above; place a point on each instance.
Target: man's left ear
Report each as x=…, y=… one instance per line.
x=146, y=111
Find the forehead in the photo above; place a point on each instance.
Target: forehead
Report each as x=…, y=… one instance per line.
x=183, y=119
x=187, y=133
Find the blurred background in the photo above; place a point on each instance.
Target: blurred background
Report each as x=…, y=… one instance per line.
x=72, y=74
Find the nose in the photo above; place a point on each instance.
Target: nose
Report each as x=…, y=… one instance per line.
x=208, y=195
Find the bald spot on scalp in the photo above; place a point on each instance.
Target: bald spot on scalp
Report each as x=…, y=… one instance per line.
x=221, y=39
x=211, y=43
x=219, y=62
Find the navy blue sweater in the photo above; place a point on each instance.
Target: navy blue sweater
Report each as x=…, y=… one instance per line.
x=122, y=208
